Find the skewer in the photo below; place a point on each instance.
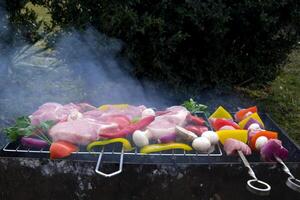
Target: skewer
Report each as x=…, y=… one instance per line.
x=291, y=182
x=263, y=188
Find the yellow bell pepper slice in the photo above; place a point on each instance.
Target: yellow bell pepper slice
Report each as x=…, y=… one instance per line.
x=126, y=144
x=241, y=135
x=221, y=113
x=163, y=147
x=254, y=116
x=118, y=106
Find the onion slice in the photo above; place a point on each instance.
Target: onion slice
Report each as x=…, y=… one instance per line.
x=33, y=142
x=273, y=148
x=167, y=138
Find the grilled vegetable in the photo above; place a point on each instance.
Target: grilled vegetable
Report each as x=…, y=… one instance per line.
x=198, y=130
x=33, y=142
x=273, y=148
x=260, y=141
x=243, y=113
x=126, y=144
x=221, y=113
x=129, y=129
x=185, y=134
x=163, y=147
x=267, y=134
x=117, y=106
x=193, y=106
x=140, y=138
x=252, y=121
x=227, y=127
x=167, y=138
x=254, y=127
x=241, y=135
x=23, y=127
x=201, y=144
x=255, y=116
x=211, y=136
x=196, y=120
x=121, y=120
x=219, y=123
x=62, y=149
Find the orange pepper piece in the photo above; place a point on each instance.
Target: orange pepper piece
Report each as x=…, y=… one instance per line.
x=267, y=134
x=241, y=113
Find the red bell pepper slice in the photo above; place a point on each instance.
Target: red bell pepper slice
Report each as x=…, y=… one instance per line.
x=129, y=129
x=121, y=120
x=196, y=120
x=219, y=123
x=198, y=130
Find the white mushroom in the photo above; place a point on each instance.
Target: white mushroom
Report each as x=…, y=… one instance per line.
x=148, y=112
x=211, y=136
x=260, y=141
x=254, y=126
x=185, y=134
x=201, y=144
x=140, y=138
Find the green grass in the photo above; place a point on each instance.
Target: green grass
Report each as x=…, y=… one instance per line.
x=281, y=98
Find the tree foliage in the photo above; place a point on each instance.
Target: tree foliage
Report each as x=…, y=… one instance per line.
x=187, y=41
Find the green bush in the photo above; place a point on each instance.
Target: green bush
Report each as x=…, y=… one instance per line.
x=190, y=41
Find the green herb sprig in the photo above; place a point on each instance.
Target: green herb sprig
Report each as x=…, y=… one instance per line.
x=24, y=128
x=193, y=106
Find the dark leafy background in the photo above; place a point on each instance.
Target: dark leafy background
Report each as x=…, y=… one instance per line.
x=185, y=42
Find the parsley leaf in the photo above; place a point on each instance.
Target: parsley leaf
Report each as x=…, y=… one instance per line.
x=193, y=106
x=23, y=127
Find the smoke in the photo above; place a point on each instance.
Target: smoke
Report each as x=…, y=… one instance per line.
x=82, y=67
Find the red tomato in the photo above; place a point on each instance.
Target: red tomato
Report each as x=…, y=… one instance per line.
x=61, y=149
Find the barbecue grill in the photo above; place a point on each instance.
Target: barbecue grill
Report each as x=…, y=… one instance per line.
x=114, y=154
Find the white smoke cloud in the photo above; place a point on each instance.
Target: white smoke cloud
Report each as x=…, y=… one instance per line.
x=82, y=67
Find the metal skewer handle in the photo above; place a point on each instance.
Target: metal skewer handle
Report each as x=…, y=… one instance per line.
x=113, y=173
x=291, y=182
x=255, y=185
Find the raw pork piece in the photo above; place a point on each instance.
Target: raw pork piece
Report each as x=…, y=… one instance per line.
x=93, y=114
x=84, y=107
x=81, y=131
x=52, y=111
x=166, y=123
x=231, y=146
x=83, y=128
x=57, y=112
